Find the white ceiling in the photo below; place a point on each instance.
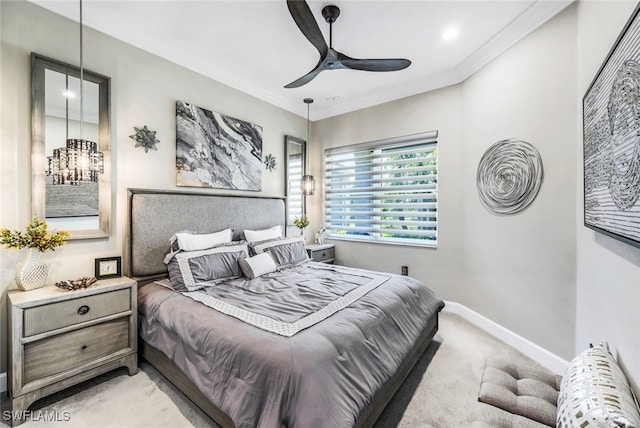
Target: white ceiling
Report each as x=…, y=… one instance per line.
x=256, y=47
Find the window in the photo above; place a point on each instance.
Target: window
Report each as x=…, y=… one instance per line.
x=384, y=191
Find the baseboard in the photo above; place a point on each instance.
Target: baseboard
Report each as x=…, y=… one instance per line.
x=3, y=382
x=536, y=352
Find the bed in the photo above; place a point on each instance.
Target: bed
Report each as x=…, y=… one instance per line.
x=263, y=362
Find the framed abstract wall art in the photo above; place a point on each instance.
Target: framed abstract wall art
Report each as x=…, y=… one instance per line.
x=611, y=126
x=218, y=151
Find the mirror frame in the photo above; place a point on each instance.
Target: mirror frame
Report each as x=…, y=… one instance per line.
x=39, y=64
x=303, y=143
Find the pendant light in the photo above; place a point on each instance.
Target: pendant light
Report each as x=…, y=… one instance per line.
x=308, y=183
x=79, y=161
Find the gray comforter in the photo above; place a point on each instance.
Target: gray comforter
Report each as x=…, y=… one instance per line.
x=321, y=376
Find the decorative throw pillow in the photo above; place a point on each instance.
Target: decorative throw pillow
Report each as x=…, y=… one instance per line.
x=595, y=393
x=253, y=267
x=193, y=270
x=285, y=252
x=263, y=234
x=189, y=241
x=253, y=245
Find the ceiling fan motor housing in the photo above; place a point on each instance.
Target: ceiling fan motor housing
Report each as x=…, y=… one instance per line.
x=330, y=13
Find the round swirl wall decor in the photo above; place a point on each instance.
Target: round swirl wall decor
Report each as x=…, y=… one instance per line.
x=509, y=176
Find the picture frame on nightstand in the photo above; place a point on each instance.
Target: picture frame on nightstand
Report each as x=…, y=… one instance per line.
x=108, y=267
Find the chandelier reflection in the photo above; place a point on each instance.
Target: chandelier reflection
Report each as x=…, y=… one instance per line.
x=79, y=161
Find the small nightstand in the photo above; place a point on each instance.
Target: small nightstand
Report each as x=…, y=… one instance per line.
x=59, y=338
x=324, y=253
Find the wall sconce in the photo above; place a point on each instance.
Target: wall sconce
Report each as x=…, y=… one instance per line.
x=79, y=161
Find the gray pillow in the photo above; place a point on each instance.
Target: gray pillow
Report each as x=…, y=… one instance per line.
x=193, y=270
x=253, y=245
x=285, y=252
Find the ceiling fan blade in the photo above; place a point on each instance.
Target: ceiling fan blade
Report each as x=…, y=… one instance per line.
x=304, y=79
x=303, y=17
x=376, y=64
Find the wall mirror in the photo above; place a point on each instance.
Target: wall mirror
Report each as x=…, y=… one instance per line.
x=84, y=208
x=295, y=155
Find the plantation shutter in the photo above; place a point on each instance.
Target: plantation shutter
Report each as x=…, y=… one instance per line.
x=384, y=191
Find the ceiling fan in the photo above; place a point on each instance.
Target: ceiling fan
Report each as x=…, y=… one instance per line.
x=331, y=59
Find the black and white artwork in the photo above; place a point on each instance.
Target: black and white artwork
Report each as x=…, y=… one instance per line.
x=214, y=150
x=509, y=176
x=611, y=109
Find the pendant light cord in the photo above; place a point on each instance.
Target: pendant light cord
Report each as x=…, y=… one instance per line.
x=306, y=151
x=308, y=102
x=81, y=79
x=66, y=105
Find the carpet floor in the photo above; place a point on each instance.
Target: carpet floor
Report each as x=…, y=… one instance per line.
x=440, y=392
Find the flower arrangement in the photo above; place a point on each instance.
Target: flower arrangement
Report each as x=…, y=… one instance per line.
x=301, y=222
x=37, y=236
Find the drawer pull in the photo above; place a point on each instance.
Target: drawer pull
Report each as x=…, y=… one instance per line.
x=83, y=347
x=83, y=310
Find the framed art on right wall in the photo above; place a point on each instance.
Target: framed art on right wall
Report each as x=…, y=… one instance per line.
x=611, y=126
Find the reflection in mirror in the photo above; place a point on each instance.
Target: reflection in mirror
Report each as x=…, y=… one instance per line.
x=295, y=149
x=68, y=206
x=83, y=208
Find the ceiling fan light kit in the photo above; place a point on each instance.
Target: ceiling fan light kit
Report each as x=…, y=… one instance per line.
x=331, y=59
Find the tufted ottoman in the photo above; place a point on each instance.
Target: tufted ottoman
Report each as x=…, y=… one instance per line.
x=594, y=392
x=522, y=390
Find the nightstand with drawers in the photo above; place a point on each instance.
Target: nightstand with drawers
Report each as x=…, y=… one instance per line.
x=324, y=253
x=59, y=338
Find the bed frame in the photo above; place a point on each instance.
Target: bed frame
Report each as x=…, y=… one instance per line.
x=155, y=215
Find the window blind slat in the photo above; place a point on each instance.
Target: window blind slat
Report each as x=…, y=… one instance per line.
x=350, y=173
x=430, y=196
x=408, y=205
x=377, y=230
x=343, y=183
x=400, y=223
x=333, y=166
x=380, y=189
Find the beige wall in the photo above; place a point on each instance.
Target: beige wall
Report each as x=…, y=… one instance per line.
x=144, y=89
x=608, y=291
x=518, y=270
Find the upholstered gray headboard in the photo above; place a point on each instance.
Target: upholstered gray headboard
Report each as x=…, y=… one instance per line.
x=155, y=215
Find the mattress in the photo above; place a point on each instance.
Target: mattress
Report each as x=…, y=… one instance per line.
x=324, y=373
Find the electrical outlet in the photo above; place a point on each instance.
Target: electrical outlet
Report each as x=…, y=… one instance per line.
x=405, y=270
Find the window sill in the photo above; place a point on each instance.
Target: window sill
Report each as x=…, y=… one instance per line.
x=430, y=245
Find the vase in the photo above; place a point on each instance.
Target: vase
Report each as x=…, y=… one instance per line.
x=32, y=271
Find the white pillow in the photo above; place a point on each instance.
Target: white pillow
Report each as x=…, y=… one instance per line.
x=195, y=242
x=264, y=234
x=253, y=267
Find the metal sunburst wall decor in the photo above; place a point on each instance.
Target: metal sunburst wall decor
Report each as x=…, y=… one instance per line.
x=509, y=176
x=145, y=138
x=270, y=162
